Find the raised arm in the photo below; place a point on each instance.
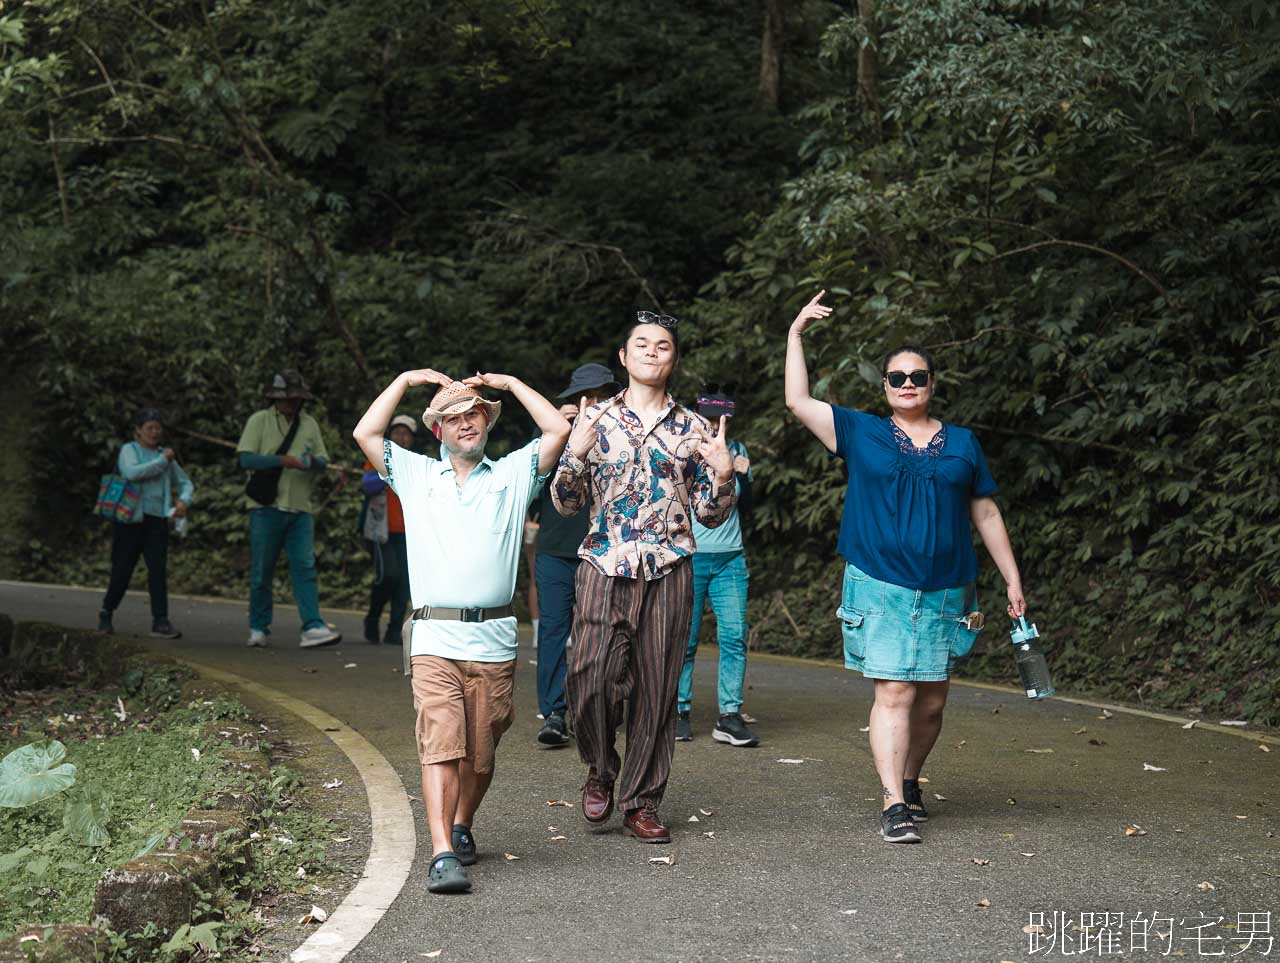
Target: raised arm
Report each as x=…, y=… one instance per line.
x=986, y=518
x=813, y=414
x=570, y=491
x=552, y=424
x=368, y=433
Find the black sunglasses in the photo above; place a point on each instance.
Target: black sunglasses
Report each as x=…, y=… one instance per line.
x=648, y=317
x=897, y=379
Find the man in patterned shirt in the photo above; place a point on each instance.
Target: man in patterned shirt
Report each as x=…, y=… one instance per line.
x=645, y=467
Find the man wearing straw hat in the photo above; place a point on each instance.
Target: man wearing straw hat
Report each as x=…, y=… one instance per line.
x=464, y=522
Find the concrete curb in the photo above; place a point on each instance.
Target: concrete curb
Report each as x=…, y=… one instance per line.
x=394, y=842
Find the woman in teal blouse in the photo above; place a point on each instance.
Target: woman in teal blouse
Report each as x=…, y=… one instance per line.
x=909, y=611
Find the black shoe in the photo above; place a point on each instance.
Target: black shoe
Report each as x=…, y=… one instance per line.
x=897, y=826
x=915, y=802
x=464, y=845
x=371, y=629
x=104, y=622
x=163, y=629
x=684, y=732
x=733, y=730
x=554, y=732
x=391, y=638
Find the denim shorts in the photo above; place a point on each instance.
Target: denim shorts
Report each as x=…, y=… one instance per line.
x=910, y=635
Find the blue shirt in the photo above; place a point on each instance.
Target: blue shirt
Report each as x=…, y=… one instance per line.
x=155, y=477
x=906, y=511
x=727, y=537
x=463, y=545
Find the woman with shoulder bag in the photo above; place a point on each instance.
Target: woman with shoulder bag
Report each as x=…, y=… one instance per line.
x=156, y=472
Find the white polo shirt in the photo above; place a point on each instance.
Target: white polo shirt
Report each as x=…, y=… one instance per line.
x=463, y=545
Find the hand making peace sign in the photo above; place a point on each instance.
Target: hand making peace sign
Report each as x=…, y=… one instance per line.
x=583, y=436
x=714, y=450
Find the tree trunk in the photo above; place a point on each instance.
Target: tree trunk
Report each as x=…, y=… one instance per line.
x=769, y=93
x=869, y=64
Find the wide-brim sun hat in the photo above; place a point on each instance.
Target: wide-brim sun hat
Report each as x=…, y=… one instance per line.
x=456, y=398
x=288, y=384
x=589, y=377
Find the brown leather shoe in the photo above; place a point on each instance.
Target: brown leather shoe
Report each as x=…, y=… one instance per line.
x=643, y=825
x=597, y=799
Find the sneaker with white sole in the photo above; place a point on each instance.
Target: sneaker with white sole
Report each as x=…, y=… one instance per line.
x=257, y=639
x=734, y=731
x=320, y=635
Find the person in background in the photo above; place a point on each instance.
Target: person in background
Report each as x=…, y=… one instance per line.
x=720, y=571
x=390, y=564
x=286, y=522
x=918, y=487
x=156, y=472
x=555, y=566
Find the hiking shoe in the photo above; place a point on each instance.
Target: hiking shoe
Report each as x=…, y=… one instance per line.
x=257, y=639
x=104, y=622
x=554, y=732
x=897, y=826
x=915, y=802
x=733, y=730
x=464, y=844
x=370, y=629
x=163, y=629
x=320, y=635
x=684, y=732
x=446, y=875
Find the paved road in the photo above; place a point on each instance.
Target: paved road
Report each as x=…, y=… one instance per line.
x=795, y=869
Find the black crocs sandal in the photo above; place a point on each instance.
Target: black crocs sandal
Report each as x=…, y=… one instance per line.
x=915, y=802
x=464, y=844
x=897, y=826
x=446, y=875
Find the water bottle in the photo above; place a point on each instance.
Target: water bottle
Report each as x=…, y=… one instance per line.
x=306, y=457
x=1032, y=667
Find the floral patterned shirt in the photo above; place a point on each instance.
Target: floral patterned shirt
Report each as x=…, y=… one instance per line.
x=642, y=485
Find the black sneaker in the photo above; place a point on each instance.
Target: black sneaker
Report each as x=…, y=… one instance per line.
x=104, y=622
x=733, y=730
x=553, y=732
x=392, y=638
x=684, y=732
x=897, y=826
x=464, y=844
x=371, y=630
x=163, y=629
x=915, y=802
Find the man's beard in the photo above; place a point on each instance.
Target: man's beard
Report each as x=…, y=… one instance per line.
x=471, y=452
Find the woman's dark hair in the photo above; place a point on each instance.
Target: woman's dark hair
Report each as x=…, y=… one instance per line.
x=670, y=329
x=907, y=349
x=146, y=414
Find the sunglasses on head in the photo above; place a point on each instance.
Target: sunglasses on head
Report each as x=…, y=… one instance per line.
x=897, y=379
x=648, y=317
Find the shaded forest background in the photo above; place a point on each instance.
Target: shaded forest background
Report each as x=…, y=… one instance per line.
x=1075, y=204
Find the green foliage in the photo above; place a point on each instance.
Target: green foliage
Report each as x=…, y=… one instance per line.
x=33, y=773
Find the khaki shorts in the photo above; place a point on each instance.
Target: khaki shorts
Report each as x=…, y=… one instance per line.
x=463, y=708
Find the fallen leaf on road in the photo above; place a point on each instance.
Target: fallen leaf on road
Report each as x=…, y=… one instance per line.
x=342, y=839
x=119, y=712
x=923, y=779
x=865, y=729
x=996, y=710
x=707, y=812
x=1147, y=767
x=1097, y=742
x=960, y=744
x=349, y=665
x=694, y=819
x=984, y=903
x=1191, y=724
x=938, y=796
x=710, y=835
x=1264, y=747
x=1037, y=750
x=1206, y=885
x=1011, y=801
x=1133, y=829
x=433, y=954
x=1106, y=714
x=509, y=856
x=1233, y=722
x=333, y=784
x=1242, y=817
x=553, y=829
x=1081, y=731
x=793, y=762
x=847, y=912
x=660, y=859
x=1033, y=928
x=1028, y=855
x=981, y=862
x=553, y=838
x=317, y=915
x=559, y=802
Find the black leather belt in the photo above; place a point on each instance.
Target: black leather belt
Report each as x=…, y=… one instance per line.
x=461, y=615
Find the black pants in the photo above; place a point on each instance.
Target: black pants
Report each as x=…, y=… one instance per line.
x=150, y=539
x=391, y=583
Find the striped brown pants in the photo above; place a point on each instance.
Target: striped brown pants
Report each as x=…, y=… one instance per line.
x=629, y=638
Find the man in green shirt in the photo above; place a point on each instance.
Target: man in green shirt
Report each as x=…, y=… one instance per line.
x=283, y=519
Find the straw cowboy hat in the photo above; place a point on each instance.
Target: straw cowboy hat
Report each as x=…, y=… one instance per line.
x=456, y=398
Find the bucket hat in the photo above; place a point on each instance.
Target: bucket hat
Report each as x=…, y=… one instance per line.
x=288, y=384
x=587, y=377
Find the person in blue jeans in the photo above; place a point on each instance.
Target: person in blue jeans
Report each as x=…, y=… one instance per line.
x=555, y=566
x=720, y=573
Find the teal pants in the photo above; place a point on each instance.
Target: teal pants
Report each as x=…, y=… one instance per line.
x=270, y=530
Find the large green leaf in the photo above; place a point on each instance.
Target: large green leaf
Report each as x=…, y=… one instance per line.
x=85, y=818
x=33, y=772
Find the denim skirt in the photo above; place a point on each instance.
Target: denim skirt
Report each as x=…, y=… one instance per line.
x=910, y=635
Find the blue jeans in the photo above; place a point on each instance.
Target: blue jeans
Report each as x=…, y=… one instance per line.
x=270, y=530
x=723, y=576
x=555, y=580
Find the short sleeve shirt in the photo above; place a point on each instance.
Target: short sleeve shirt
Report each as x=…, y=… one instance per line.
x=463, y=545
x=906, y=510
x=262, y=435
